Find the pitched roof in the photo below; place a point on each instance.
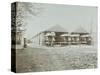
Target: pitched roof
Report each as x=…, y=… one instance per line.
x=56, y=28
x=80, y=30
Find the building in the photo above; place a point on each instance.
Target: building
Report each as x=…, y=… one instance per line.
x=58, y=36
x=50, y=37
x=83, y=37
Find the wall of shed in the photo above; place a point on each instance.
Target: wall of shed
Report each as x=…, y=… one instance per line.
x=38, y=40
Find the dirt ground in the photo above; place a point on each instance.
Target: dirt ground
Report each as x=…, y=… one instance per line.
x=55, y=58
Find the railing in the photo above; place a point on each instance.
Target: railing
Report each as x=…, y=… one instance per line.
x=68, y=43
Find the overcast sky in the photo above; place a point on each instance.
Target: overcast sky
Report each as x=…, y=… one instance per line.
x=68, y=16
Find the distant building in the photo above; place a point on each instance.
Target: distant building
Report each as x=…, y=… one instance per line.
x=50, y=37
x=58, y=36
x=83, y=37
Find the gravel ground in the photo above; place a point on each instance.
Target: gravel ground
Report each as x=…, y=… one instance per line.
x=55, y=58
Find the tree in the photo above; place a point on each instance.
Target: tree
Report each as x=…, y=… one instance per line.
x=24, y=10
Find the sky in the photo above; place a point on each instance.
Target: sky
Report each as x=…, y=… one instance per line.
x=70, y=17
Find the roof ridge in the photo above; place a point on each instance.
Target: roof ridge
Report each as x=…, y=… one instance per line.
x=56, y=28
